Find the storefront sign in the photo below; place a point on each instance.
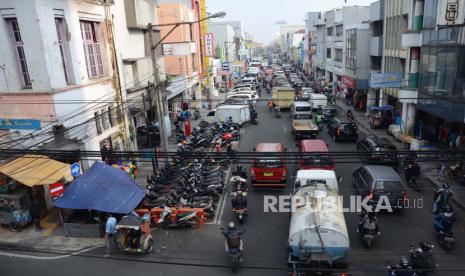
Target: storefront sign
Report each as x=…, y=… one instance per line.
x=209, y=48
x=348, y=82
x=19, y=124
x=386, y=80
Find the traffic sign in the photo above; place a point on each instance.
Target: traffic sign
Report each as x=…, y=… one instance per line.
x=56, y=189
x=75, y=170
x=226, y=66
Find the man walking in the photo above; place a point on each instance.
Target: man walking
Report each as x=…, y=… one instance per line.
x=110, y=232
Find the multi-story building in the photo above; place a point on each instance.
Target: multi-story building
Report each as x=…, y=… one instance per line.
x=319, y=43
x=337, y=21
x=309, y=48
x=181, y=51
x=355, y=78
x=60, y=86
x=285, y=36
x=376, y=49
x=436, y=73
x=135, y=60
x=224, y=40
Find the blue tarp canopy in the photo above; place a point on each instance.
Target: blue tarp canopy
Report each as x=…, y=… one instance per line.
x=381, y=108
x=102, y=188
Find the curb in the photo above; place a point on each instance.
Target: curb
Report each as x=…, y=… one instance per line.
x=454, y=200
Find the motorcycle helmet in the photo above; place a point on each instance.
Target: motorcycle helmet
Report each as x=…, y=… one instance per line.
x=231, y=226
x=426, y=246
x=231, y=129
x=445, y=186
x=403, y=262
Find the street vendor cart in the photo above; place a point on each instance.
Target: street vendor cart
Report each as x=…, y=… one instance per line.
x=15, y=209
x=380, y=116
x=134, y=234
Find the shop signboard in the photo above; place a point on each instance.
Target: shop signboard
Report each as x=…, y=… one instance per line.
x=209, y=48
x=385, y=80
x=19, y=124
x=348, y=82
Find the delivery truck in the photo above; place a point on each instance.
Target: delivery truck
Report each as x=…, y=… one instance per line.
x=317, y=101
x=240, y=114
x=283, y=96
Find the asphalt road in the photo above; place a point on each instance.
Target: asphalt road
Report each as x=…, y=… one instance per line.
x=201, y=251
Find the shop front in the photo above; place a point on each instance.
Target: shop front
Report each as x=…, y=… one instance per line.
x=26, y=188
x=348, y=84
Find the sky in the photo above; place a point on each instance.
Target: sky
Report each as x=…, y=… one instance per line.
x=259, y=16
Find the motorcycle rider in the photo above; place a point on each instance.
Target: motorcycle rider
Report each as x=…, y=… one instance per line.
x=240, y=172
x=422, y=258
x=230, y=121
x=402, y=269
x=368, y=219
x=239, y=199
x=350, y=115
x=412, y=170
x=319, y=118
x=444, y=221
x=233, y=238
x=441, y=197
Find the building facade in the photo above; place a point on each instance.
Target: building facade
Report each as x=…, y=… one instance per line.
x=60, y=72
x=311, y=18
x=376, y=48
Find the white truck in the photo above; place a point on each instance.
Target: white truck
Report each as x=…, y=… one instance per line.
x=240, y=114
x=317, y=100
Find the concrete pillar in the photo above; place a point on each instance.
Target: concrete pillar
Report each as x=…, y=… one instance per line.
x=414, y=67
x=410, y=120
x=382, y=98
x=418, y=19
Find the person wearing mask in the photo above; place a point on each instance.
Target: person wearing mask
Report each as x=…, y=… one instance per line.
x=110, y=232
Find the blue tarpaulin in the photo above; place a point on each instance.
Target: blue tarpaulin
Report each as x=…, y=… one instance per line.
x=381, y=108
x=102, y=188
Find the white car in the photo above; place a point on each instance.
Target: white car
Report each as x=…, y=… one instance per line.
x=242, y=91
x=243, y=96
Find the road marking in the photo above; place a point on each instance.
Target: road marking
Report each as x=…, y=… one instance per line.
x=222, y=200
x=32, y=257
x=242, y=131
x=285, y=129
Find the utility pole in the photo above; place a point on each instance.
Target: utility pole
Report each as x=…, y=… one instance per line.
x=158, y=94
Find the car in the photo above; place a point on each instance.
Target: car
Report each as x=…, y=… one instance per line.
x=340, y=129
x=377, y=150
x=243, y=96
x=269, y=166
x=242, y=91
x=375, y=181
x=328, y=112
x=250, y=86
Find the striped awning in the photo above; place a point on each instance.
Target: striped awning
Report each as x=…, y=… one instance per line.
x=33, y=170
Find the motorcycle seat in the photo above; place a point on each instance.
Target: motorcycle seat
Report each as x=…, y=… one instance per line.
x=181, y=215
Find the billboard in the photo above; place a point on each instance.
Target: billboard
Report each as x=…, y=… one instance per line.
x=385, y=80
x=209, y=46
x=179, y=49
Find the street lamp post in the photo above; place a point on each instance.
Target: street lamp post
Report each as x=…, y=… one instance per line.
x=156, y=75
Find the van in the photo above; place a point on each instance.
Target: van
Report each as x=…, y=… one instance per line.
x=309, y=158
x=318, y=100
x=374, y=181
x=301, y=108
x=269, y=167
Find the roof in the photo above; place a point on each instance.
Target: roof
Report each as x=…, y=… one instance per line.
x=301, y=104
x=316, y=174
x=269, y=147
x=318, y=96
x=102, y=188
x=383, y=172
x=34, y=170
x=314, y=146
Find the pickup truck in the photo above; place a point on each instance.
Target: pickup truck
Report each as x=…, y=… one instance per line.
x=303, y=127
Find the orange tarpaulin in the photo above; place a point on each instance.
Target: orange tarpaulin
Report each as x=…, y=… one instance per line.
x=33, y=170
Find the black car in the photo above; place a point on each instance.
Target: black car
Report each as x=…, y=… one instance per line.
x=340, y=128
x=377, y=150
x=328, y=112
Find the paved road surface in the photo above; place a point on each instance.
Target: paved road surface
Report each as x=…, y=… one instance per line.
x=266, y=236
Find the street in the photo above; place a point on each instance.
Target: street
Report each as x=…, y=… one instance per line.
x=201, y=251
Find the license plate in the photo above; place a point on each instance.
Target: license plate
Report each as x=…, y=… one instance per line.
x=268, y=174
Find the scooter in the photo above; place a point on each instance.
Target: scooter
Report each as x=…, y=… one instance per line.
x=241, y=213
x=184, y=220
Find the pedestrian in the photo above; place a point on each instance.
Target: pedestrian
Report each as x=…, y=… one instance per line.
x=459, y=141
x=218, y=148
x=270, y=105
x=442, y=171
x=110, y=232
x=35, y=214
x=452, y=139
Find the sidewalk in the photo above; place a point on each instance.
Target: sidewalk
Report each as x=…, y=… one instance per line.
x=429, y=171
x=50, y=239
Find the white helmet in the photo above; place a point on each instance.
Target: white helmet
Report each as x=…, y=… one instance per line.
x=231, y=226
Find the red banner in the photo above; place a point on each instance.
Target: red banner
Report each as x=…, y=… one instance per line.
x=348, y=82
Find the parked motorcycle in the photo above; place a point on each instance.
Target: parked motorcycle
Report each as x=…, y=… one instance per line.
x=184, y=220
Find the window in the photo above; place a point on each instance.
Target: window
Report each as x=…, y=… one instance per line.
x=328, y=52
x=91, y=40
x=105, y=119
x=61, y=44
x=338, y=55
x=112, y=116
x=193, y=62
x=339, y=30
x=330, y=31
x=98, y=123
x=19, y=50
x=351, y=47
